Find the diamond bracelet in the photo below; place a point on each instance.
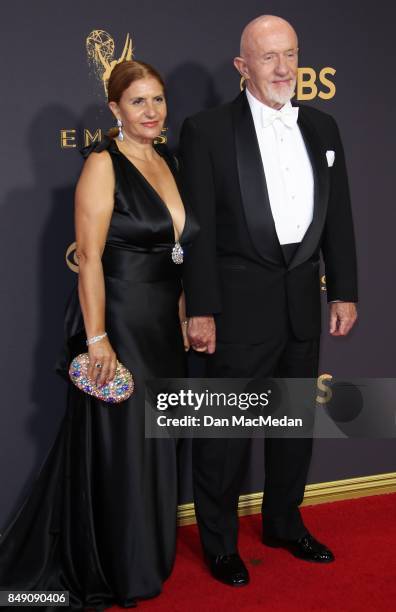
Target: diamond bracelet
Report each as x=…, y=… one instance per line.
x=95, y=339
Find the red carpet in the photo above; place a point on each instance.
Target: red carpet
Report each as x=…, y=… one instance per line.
x=361, y=533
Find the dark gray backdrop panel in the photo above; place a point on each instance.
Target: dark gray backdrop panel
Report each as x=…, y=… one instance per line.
x=48, y=86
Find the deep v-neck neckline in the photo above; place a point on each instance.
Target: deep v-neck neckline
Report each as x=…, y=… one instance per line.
x=156, y=194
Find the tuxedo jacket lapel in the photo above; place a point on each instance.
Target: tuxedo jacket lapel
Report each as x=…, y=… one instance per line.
x=321, y=190
x=254, y=191
x=253, y=185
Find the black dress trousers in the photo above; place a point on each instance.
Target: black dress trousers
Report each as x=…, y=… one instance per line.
x=219, y=465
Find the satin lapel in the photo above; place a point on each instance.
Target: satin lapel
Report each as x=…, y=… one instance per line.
x=253, y=184
x=320, y=171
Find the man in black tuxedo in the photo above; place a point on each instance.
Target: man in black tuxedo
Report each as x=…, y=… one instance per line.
x=268, y=183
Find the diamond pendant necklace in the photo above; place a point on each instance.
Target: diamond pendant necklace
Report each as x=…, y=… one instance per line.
x=177, y=253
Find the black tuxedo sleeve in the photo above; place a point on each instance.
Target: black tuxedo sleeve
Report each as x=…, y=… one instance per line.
x=338, y=243
x=200, y=279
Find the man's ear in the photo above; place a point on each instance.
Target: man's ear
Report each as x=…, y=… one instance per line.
x=240, y=65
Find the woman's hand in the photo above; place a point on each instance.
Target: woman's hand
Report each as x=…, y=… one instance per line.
x=186, y=341
x=202, y=334
x=101, y=354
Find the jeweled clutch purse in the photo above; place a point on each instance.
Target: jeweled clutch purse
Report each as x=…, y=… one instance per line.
x=116, y=391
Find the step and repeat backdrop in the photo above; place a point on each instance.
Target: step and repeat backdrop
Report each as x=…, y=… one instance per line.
x=56, y=59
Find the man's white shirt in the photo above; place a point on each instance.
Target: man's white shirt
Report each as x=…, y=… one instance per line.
x=287, y=167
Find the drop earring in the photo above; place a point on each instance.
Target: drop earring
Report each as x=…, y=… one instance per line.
x=120, y=133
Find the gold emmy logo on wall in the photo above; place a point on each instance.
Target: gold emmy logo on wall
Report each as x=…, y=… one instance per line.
x=100, y=52
x=323, y=283
x=309, y=82
x=71, y=257
x=100, y=48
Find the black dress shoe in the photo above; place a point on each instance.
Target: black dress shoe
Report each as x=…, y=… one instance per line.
x=229, y=569
x=306, y=548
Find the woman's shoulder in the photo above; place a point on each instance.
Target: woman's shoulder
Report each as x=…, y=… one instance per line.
x=99, y=146
x=98, y=170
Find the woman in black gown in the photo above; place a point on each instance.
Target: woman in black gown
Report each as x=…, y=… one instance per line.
x=101, y=519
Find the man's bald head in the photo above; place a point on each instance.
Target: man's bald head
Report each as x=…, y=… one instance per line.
x=263, y=26
x=268, y=60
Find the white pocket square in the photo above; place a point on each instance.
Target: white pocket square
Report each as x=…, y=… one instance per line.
x=330, y=156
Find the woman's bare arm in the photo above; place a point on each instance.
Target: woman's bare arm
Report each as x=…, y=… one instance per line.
x=94, y=202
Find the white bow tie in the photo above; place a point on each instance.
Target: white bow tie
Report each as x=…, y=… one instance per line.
x=288, y=116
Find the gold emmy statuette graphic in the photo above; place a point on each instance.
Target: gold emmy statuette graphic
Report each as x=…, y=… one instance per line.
x=323, y=283
x=100, y=51
x=71, y=257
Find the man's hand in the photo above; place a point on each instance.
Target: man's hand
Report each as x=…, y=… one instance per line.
x=342, y=318
x=202, y=334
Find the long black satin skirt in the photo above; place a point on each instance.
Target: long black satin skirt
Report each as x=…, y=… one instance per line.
x=100, y=521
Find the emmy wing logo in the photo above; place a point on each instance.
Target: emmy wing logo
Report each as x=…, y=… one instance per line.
x=100, y=52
